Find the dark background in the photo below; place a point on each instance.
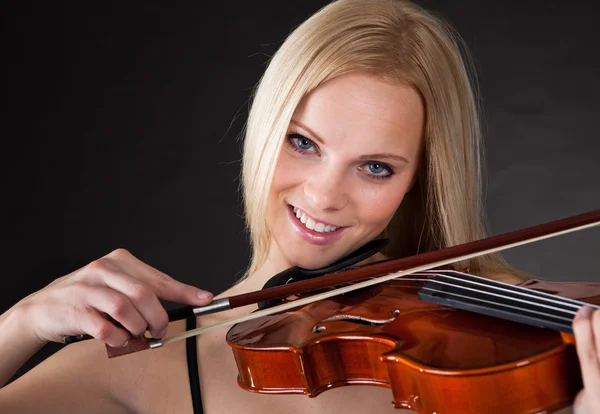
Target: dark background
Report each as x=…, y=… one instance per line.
x=122, y=123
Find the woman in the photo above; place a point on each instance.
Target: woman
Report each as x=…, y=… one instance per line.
x=364, y=124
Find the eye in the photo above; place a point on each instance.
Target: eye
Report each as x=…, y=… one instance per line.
x=378, y=170
x=301, y=144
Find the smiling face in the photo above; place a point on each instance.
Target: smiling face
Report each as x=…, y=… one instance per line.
x=349, y=157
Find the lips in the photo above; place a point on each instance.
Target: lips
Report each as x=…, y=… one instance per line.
x=312, y=224
x=320, y=234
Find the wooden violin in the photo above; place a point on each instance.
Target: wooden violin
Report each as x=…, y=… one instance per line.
x=435, y=358
x=442, y=340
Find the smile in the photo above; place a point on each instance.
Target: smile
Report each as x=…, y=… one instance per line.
x=313, y=231
x=311, y=224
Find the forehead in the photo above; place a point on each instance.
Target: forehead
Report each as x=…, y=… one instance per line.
x=363, y=109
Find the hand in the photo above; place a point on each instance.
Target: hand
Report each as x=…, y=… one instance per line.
x=118, y=285
x=586, y=327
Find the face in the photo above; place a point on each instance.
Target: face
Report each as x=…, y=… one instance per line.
x=349, y=157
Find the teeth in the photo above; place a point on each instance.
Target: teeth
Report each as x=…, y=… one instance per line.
x=313, y=225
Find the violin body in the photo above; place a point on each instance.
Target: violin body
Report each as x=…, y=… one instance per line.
x=435, y=359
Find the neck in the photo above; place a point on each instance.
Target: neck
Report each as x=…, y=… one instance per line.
x=257, y=279
x=273, y=264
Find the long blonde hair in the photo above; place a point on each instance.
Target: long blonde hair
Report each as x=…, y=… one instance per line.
x=399, y=41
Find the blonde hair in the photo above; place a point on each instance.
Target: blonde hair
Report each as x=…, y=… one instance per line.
x=400, y=41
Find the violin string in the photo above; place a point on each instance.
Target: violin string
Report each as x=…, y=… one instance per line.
x=366, y=283
x=520, y=290
x=303, y=301
x=556, y=299
x=494, y=294
x=499, y=304
x=483, y=292
x=514, y=288
x=537, y=296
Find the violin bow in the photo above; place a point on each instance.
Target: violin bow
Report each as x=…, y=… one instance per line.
x=292, y=274
x=374, y=273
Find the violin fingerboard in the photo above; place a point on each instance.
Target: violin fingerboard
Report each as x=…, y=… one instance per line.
x=512, y=309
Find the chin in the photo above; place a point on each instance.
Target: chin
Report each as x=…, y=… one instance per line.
x=313, y=262
x=313, y=258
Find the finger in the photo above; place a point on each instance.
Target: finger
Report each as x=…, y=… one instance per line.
x=102, y=329
x=109, y=272
x=586, y=348
x=176, y=291
x=118, y=306
x=165, y=286
x=140, y=294
x=143, y=298
x=593, y=398
x=595, y=321
x=578, y=404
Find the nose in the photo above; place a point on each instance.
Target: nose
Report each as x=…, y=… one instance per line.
x=326, y=189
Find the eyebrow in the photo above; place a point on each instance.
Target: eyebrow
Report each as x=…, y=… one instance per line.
x=366, y=157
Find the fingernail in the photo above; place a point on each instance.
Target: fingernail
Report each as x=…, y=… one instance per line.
x=162, y=333
x=203, y=294
x=585, y=311
x=125, y=344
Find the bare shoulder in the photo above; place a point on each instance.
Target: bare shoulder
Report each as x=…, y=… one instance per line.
x=82, y=377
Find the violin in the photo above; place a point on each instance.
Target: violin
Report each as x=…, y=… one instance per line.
x=434, y=358
x=441, y=339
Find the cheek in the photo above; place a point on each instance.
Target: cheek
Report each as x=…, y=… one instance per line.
x=284, y=177
x=378, y=206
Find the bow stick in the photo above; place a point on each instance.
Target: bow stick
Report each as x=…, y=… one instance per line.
x=376, y=273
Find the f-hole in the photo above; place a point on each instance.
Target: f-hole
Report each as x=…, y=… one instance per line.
x=360, y=320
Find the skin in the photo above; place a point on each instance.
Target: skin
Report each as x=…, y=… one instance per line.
x=346, y=119
x=338, y=132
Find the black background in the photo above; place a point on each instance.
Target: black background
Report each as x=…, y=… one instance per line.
x=122, y=125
